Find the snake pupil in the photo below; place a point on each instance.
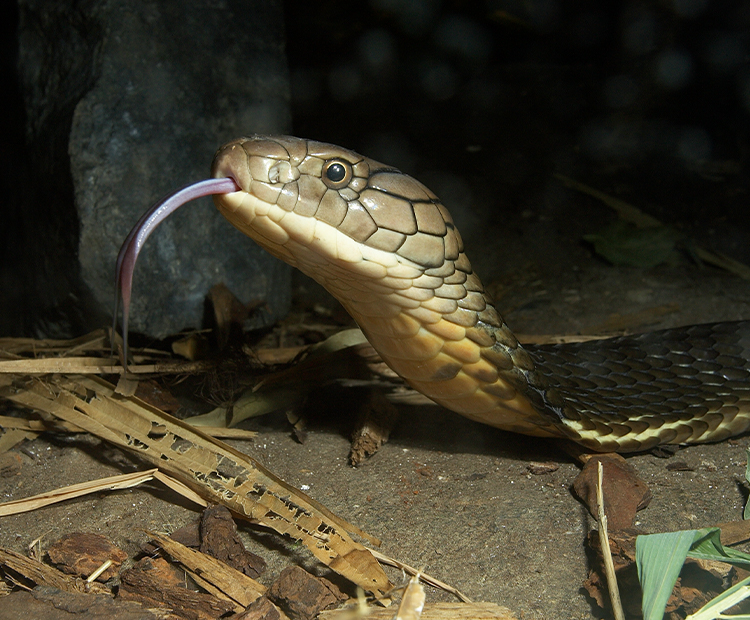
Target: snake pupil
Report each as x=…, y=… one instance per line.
x=336, y=172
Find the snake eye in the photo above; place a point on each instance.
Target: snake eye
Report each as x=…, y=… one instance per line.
x=336, y=173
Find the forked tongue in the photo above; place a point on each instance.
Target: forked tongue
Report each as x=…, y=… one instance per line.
x=137, y=238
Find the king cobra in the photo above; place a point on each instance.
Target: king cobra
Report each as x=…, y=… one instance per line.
x=385, y=246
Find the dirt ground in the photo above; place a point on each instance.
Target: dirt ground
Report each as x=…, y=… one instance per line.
x=445, y=494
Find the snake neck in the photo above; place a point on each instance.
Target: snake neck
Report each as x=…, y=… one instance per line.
x=449, y=343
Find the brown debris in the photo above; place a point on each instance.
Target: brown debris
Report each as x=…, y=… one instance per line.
x=431, y=611
x=539, y=469
x=212, y=574
x=699, y=582
x=188, y=535
x=219, y=539
x=46, y=603
x=81, y=554
x=376, y=418
x=10, y=464
x=30, y=573
x=624, y=492
x=151, y=583
x=262, y=609
x=220, y=473
x=303, y=595
x=155, y=394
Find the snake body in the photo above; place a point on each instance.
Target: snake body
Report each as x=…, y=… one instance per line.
x=385, y=246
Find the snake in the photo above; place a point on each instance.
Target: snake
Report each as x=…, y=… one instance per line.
x=389, y=251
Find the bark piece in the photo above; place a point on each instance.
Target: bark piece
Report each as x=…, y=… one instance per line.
x=303, y=595
x=154, y=393
x=151, y=583
x=82, y=553
x=188, y=535
x=623, y=491
x=539, y=469
x=213, y=575
x=46, y=603
x=26, y=570
x=262, y=609
x=377, y=415
x=219, y=539
x=213, y=469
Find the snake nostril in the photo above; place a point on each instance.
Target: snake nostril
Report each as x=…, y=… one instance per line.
x=282, y=172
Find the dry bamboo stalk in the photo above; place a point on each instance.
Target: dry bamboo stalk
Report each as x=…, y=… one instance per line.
x=211, y=468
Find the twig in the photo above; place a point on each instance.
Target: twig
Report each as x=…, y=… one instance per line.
x=609, y=567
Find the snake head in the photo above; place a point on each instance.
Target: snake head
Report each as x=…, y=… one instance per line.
x=362, y=229
x=349, y=222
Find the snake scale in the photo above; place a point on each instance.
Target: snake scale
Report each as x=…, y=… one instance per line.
x=386, y=248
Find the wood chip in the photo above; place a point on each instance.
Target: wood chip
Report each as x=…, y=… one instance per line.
x=262, y=609
x=219, y=539
x=303, y=595
x=624, y=492
x=432, y=611
x=216, y=471
x=145, y=583
x=375, y=420
x=82, y=553
x=37, y=574
x=233, y=584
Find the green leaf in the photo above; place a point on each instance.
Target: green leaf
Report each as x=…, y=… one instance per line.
x=707, y=546
x=746, y=513
x=659, y=559
x=622, y=243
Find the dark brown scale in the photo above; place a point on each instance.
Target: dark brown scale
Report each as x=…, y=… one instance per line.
x=697, y=375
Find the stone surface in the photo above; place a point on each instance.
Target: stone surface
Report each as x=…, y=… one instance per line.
x=126, y=103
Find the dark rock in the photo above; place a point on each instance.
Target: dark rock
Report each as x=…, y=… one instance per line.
x=126, y=103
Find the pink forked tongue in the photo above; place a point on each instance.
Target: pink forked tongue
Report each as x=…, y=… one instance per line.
x=141, y=231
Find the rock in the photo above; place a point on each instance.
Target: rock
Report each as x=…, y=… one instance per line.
x=126, y=103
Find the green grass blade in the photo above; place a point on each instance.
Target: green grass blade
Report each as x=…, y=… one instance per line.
x=707, y=546
x=659, y=559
